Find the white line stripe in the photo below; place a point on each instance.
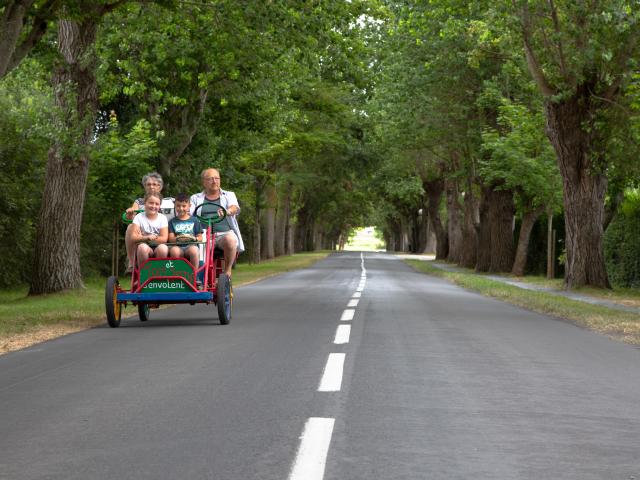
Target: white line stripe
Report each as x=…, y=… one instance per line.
x=342, y=334
x=314, y=446
x=359, y=289
x=357, y=295
x=353, y=302
x=332, y=377
x=347, y=315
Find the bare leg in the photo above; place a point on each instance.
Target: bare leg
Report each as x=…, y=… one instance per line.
x=175, y=252
x=192, y=254
x=130, y=246
x=161, y=251
x=230, y=246
x=144, y=251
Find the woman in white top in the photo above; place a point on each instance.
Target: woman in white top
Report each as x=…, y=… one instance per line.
x=151, y=226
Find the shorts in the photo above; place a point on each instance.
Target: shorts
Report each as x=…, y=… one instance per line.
x=183, y=247
x=220, y=235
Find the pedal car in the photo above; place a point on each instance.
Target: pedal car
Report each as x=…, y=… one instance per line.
x=162, y=281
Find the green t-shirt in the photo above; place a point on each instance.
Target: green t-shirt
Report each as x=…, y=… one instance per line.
x=210, y=208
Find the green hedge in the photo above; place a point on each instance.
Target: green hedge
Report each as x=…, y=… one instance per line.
x=622, y=244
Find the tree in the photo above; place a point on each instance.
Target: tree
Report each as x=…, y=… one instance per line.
x=581, y=58
x=23, y=23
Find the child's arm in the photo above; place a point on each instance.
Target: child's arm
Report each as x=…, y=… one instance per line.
x=163, y=236
x=172, y=237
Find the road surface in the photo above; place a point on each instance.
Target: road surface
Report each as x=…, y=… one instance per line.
x=355, y=368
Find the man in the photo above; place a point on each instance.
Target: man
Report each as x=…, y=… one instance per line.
x=227, y=232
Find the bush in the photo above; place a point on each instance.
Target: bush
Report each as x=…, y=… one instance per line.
x=622, y=244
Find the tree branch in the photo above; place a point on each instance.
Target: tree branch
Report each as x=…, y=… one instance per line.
x=532, y=61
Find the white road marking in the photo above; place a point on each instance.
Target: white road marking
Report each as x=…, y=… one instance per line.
x=332, y=377
x=359, y=289
x=314, y=446
x=342, y=334
x=353, y=302
x=347, y=315
x=357, y=295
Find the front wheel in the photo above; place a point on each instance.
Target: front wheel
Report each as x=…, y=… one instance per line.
x=224, y=294
x=143, y=311
x=113, y=308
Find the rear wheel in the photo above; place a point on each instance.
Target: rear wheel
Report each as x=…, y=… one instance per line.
x=113, y=308
x=143, y=311
x=224, y=294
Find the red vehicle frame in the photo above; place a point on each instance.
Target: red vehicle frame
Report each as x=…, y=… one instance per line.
x=215, y=286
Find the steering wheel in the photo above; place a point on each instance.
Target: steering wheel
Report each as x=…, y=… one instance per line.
x=211, y=217
x=124, y=216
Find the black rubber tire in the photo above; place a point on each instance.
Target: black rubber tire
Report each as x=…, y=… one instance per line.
x=112, y=307
x=144, y=311
x=224, y=299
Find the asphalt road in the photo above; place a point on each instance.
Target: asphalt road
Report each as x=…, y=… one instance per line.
x=426, y=381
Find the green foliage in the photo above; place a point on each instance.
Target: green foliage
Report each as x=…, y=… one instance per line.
x=24, y=136
x=622, y=248
x=118, y=163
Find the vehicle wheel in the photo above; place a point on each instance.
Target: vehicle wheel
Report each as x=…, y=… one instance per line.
x=224, y=294
x=143, y=311
x=113, y=308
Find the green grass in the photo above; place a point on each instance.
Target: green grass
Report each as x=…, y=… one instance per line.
x=617, y=324
x=28, y=317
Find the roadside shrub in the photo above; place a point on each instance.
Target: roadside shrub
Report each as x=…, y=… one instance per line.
x=622, y=244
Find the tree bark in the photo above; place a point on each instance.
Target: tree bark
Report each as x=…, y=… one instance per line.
x=454, y=223
x=434, y=190
x=469, y=235
x=57, y=253
x=282, y=220
x=269, y=223
x=584, y=187
x=528, y=221
x=483, y=229
x=501, y=214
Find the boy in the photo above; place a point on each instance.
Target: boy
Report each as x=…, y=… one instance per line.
x=183, y=230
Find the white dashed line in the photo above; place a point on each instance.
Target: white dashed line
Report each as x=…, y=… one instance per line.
x=332, y=377
x=347, y=315
x=357, y=295
x=342, y=334
x=314, y=446
x=353, y=302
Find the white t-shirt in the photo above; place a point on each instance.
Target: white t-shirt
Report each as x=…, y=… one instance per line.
x=148, y=226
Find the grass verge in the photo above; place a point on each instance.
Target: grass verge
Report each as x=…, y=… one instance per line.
x=617, y=324
x=28, y=320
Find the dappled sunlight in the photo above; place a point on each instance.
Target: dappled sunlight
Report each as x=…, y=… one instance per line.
x=366, y=239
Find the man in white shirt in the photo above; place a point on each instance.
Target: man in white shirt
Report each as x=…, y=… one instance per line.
x=227, y=232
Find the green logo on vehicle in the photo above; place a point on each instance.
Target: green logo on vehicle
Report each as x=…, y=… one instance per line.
x=157, y=271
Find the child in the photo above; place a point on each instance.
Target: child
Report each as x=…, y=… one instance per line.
x=152, y=183
x=152, y=227
x=184, y=229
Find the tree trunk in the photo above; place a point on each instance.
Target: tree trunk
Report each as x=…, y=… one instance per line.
x=469, y=235
x=269, y=223
x=57, y=251
x=501, y=214
x=584, y=188
x=282, y=219
x=434, y=191
x=483, y=229
x=454, y=222
x=528, y=221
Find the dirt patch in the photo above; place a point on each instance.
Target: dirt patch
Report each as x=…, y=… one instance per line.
x=42, y=333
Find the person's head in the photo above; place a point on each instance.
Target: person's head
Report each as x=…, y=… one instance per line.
x=210, y=180
x=152, y=182
x=182, y=205
x=152, y=201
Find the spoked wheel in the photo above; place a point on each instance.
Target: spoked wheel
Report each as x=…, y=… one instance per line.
x=224, y=294
x=113, y=308
x=143, y=311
